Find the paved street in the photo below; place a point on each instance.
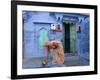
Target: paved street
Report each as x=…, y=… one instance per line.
x=69, y=61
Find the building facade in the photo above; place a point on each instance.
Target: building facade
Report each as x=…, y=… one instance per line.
x=72, y=29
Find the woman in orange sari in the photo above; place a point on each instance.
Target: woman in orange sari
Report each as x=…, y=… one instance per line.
x=58, y=51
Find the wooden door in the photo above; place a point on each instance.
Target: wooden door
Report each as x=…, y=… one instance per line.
x=43, y=37
x=72, y=38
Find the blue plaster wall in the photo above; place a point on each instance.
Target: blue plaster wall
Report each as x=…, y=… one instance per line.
x=34, y=21
x=83, y=39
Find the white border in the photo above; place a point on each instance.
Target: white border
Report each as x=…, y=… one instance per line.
x=21, y=71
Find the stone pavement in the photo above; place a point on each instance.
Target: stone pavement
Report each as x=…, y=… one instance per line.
x=69, y=61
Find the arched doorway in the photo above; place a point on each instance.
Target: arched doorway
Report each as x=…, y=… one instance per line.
x=43, y=37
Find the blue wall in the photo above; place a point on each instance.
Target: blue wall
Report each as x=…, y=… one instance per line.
x=83, y=39
x=34, y=21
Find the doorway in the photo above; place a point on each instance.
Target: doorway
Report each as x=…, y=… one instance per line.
x=69, y=31
x=43, y=37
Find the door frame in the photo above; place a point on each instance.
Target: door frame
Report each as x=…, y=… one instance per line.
x=63, y=23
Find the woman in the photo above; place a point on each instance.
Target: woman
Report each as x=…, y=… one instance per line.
x=58, y=51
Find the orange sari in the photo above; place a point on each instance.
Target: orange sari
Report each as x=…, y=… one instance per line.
x=58, y=50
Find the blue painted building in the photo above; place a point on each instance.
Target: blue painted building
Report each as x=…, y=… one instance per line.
x=70, y=28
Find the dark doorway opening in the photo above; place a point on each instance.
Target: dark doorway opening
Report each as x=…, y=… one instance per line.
x=67, y=38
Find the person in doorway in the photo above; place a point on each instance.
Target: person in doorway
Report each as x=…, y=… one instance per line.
x=57, y=47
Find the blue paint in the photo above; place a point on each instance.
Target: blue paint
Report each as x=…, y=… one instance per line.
x=34, y=21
